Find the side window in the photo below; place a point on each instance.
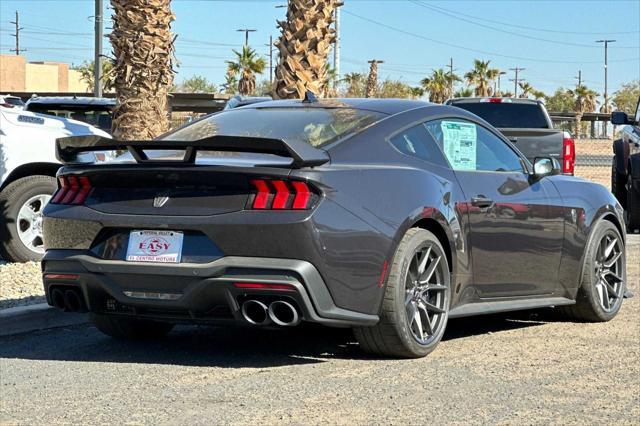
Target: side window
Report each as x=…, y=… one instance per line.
x=469, y=146
x=416, y=142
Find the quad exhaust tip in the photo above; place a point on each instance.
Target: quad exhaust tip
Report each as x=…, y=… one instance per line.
x=69, y=300
x=280, y=312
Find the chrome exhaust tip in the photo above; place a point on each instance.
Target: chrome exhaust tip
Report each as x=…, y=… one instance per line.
x=255, y=312
x=284, y=314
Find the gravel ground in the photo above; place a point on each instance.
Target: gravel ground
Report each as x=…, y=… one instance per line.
x=525, y=368
x=20, y=284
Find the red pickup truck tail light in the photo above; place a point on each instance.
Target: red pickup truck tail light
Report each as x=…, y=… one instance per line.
x=73, y=190
x=568, y=155
x=281, y=195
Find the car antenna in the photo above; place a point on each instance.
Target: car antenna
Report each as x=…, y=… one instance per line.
x=309, y=97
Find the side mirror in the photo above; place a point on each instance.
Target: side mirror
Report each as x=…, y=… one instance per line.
x=619, y=117
x=542, y=166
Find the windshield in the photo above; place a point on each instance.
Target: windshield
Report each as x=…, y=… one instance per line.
x=508, y=115
x=315, y=125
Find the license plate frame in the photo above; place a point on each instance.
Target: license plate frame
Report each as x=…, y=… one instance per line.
x=153, y=246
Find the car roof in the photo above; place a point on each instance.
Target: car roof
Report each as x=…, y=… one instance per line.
x=484, y=99
x=72, y=100
x=386, y=106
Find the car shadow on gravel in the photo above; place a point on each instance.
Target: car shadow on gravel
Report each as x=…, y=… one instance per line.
x=233, y=347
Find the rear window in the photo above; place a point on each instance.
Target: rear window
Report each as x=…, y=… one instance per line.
x=508, y=115
x=315, y=126
x=12, y=100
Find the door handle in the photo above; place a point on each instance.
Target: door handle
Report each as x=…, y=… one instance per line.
x=481, y=201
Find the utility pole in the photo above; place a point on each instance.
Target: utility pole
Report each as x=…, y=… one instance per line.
x=450, y=66
x=17, y=34
x=515, y=80
x=606, y=95
x=336, y=47
x=579, y=78
x=246, y=32
x=97, y=53
x=270, y=60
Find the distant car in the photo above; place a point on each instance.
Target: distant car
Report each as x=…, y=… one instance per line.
x=28, y=166
x=389, y=216
x=625, y=169
x=240, y=101
x=9, y=101
x=526, y=123
x=95, y=111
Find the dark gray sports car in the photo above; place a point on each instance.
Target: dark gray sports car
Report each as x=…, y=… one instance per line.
x=388, y=216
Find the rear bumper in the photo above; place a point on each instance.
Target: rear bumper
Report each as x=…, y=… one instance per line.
x=200, y=293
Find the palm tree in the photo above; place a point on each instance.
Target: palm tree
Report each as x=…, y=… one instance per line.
x=247, y=64
x=439, y=85
x=355, y=82
x=467, y=92
x=481, y=77
x=143, y=67
x=585, y=100
x=304, y=44
x=230, y=83
x=372, y=79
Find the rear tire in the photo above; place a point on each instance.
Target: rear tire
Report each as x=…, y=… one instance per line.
x=619, y=185
x=414, y=289
x=129, y=328
x=28, y=195
x=600, y=294
x=632, y=212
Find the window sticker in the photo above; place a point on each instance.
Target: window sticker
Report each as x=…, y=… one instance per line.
x=460, y=144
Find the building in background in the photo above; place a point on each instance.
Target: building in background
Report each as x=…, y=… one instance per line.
x=19, y=76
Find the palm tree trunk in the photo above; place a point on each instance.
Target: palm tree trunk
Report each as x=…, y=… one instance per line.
x=143, y=48
x=578, y=124
x=304, y=44
x=372, y=81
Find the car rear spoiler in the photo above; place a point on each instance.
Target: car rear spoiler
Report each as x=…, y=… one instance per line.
x=302, y=154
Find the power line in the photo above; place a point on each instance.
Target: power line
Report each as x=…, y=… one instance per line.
x=484, y=52
x=535, y=28
x=456, y=16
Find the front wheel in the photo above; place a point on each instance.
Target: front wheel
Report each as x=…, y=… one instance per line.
x=603, y=276
x=415, y=308
x=21, y=205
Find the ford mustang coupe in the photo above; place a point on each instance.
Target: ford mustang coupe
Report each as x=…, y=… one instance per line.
x=387, y=216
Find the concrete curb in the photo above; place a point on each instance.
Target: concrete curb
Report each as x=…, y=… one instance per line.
x=24, y=319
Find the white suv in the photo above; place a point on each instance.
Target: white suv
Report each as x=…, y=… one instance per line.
x=28, y=166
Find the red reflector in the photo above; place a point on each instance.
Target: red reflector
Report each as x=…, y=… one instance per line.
x=72, y=191
x=302, y=195
x=61, y=192
x=383, y=274
x=282, y=195
x=265, y=286
x=61, y=276
x=85, y=188
x=568, y=155
x=262, y=197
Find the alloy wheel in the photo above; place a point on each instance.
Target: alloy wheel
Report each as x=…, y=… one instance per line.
x=426, y=300
x=609, y=271
x=29, y=222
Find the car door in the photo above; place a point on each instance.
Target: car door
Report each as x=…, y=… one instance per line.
x=515, y=237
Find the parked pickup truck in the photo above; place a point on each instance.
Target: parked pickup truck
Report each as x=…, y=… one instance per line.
x=527, y=125
x=28, y=167
x=625, y=170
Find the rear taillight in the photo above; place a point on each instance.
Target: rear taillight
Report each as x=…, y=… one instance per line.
x=73, y=190
x=281, y=195
x=568, y=155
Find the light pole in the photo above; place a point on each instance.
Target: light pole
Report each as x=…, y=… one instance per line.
x=500, y=74
x=97, y=54
x=606, y=94
x=246, y=32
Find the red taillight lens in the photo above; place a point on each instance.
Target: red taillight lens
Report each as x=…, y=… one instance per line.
x=568, y=155
x=495, y=100
x=265, y=286
x=73, y=190
x=281, y=195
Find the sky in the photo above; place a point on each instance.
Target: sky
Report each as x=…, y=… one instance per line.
x=551, y=39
